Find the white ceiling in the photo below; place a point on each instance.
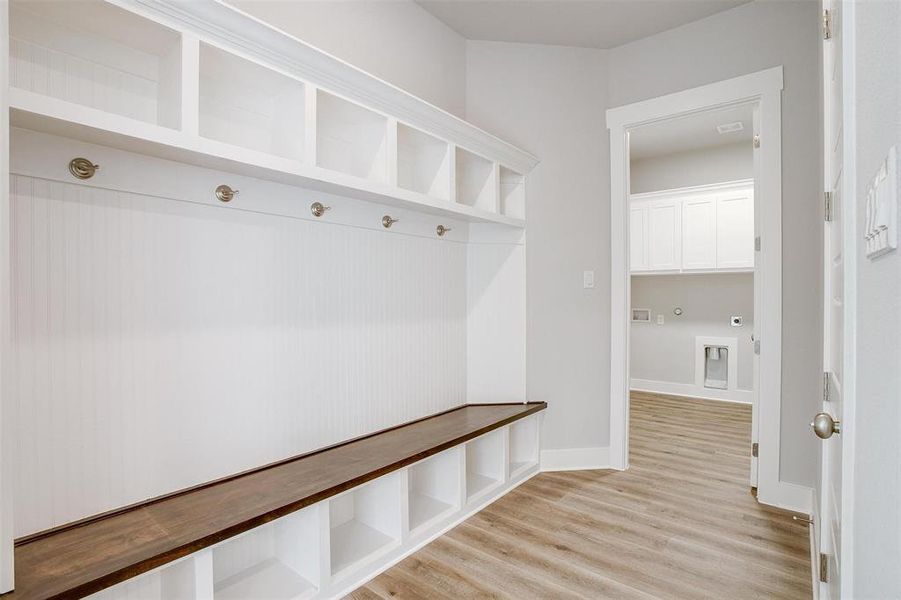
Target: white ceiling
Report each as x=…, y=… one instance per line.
x=690, y=133
x=586, y=23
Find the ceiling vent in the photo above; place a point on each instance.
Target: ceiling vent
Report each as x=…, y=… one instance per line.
x=730, y=127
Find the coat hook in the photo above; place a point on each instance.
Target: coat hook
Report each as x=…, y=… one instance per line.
x=387, y=221
x=441, y=230
x=225, y=193
x=318, y=209
x=82, y=168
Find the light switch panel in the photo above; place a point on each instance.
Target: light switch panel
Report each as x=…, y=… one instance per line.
x=660, y=319
x=881, y=228
x=588, y=279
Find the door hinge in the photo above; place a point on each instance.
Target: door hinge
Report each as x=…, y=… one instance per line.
x=757, y=141
x=755, y=449
x=827, y=206
x=827, y=24
x=826, y=386
x=824, y=567
x=757, y=243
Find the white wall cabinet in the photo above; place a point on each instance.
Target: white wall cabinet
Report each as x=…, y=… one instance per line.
x=692, y=230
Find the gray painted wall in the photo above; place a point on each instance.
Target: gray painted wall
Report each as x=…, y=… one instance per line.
x=398, y=41
x=667, y=352
x=877, y=466
x=692, y=167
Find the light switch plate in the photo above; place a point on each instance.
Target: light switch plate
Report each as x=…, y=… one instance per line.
x=881, y=228
x=588, y=279
x=660, y=319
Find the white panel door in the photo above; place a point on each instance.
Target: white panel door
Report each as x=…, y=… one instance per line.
x=664, y=235
x=699, y=233
x=735, y=230
x=638, y=236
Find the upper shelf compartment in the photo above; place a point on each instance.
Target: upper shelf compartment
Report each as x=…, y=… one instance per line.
x=97, y=55
x=476, y=181
x=248, y=105
x=350, y=139
x=423, y=163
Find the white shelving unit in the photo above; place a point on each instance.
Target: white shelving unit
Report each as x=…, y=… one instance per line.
x=350, y=138
x=523, y=445
x=423, y=163
x=247, y=105
x=364, y=522
x=486, y=459
x=279, y=560
x=176, y=581
x=435, y=489
x=97, y=55
x=476, y=181
x=513, y=193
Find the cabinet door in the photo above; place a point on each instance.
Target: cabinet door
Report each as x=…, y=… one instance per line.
x=735, y=230
x=699, y=233
x=664, y=235
x=638, y=236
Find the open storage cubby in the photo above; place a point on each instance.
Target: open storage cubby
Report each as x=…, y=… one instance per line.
x=423, y=162
x=364, y=522
x=484, y=463
x=98, y=55
x=279, y=560
x=475, y=181
x=513, y=193
x=350, y=138
x=176, y=581
x=434, y=488
x=248, y=105
x=523, y=445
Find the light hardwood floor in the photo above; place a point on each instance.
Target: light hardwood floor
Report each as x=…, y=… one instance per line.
x=680, y=523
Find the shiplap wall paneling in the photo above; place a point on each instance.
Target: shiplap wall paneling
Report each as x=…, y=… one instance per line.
x=513, y=193
x=350, y=138
x=477, y=181
x=290, y=334
x=366, y=522
x=423, y=162
x=278, y=560
x=245, y=104
x=486, y=464
x=435, y=489
x=523, y=445
x=98, y=55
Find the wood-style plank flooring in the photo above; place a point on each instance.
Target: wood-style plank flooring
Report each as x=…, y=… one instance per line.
x=680, y=523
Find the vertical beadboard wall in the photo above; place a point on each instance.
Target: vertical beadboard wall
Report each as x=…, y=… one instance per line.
x=159, y=343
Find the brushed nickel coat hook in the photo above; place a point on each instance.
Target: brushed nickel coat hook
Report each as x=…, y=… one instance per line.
x=387, y=221
x=82, y=168
x=318, y=209
x=441, y=230
x=225, y=193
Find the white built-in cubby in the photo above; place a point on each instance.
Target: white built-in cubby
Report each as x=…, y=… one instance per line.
x=513, y=193
x=245, y=104
x=423, y=162
x=279, y=560
x=523, y=445
x=476, y=181
x=364, y=523
x=435, y=488
x=179, y=580
x=97, y=55
x=486, y=459
x=350, y=138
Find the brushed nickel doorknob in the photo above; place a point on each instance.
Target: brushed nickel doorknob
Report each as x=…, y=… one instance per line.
x=824, y=426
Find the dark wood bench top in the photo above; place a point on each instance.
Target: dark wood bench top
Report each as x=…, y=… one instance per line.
x=84, y=557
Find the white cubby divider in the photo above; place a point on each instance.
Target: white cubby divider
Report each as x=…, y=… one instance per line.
x=364, y=523
x=435, y=489
x=486, y=464
x=523, y=445
x=476, y=181
x=277, y=560
x=350, y=138
x=98, y=55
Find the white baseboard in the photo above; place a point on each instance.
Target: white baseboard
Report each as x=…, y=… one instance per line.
x=575, y=459
x=691, y=390
x=789, y=496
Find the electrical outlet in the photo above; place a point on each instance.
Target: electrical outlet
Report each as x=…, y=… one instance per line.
x=588, y=280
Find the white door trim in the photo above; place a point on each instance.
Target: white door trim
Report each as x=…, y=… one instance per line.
x=764, y=90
